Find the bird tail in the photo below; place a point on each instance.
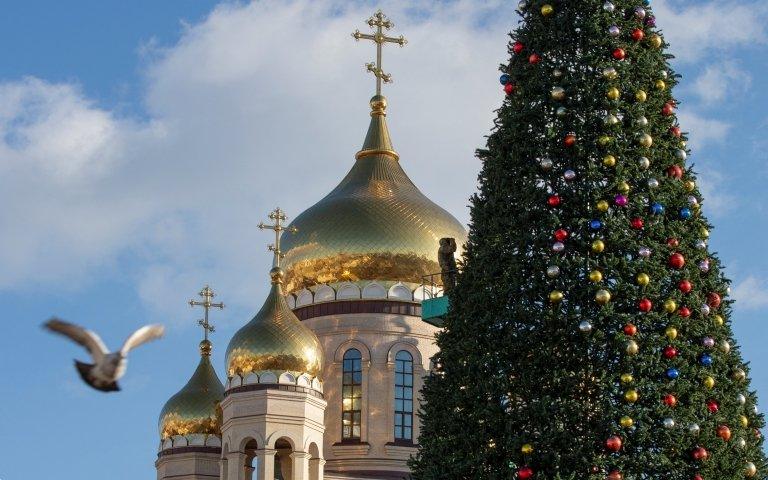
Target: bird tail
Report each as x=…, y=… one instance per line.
x=85, y=369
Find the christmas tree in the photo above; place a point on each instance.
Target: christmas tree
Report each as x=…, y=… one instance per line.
x=589, y=333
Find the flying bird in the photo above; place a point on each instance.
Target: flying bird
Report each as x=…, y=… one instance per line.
x=107, y=367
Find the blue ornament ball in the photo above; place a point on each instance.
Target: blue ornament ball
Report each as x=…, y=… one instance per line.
x=672, y=373
x=657, y=209
x=685, y=213
x=706, y=360
x=504, y=79
x=595, y=224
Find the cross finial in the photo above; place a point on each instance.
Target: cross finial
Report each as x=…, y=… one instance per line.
x=207, y=295
x=379, y=22
x=278, y=216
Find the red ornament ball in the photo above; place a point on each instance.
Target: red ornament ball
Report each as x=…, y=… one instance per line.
x=630, y=329
x=675, y=131
x=638, y=35
x=699, y=453
x=645, y=305
x=685, y=286
x=677, y=261
x=670, y=352
x=561, y=235
x=713, y=299
x=553, y=201
x=534, y=59
x=619, y=54
x=684, y=312
x=669, y=400
x=525, y=473
x=570, y=140
x=698, y=477
x=518, y=47
x=637, y=223
x=613, y=443
x=668, y=109
x=509, y=88
x=713, y=406
x=724, y=432
x=615, y=475
x=673, y=242
x=675, y=171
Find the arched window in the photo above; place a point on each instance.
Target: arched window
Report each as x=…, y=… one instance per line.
x=351, y=395
x=404, y=396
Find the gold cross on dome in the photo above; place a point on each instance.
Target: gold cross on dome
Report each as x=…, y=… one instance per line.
x=379, y=22
x=278, y=216
x=207, y=303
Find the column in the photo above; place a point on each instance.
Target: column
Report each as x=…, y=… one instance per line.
x=300, y=465
x=236, y=466
x=316, y=468
x=265, y=464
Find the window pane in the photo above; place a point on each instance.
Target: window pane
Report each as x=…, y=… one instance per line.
x=408, y=394
x=408, y=419
x=398, y=405
x=398, y=432
x=356, y=431
x=407, y=433
x=409, y=380
x=357, y=377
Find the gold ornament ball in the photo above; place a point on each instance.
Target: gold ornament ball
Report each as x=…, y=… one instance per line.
x=613, y=93
x=598, y=246
x=632, y=348
x=725, y=347
x=739, y=375
x=558, y=93
x=610, y=73
x=626, y=422
x=604, y=140
x=670, y=306
x=750, y=470
x=661, y=85
x=631, y=396
x=689, y=185
x=718, y=320
x=744, y=421
x=602, y=297
x=645, y=140
x=547, y=10
x=641, y=96
x=596, y=276
x=627, y=378
x=556, y=296
x=602, y=206
x=609, y=160
x=671, y=333
x=709, y=383
x=643, y=279
x=704, y=232
x=527, y=449
x=655, y=41
x=623, y=187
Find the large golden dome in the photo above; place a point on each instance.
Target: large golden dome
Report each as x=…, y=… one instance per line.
x=194, y=409
x=375, y=225
x=275, y=340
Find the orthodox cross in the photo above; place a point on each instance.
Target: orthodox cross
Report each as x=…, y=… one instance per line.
x=207, y=303
x=278, y=216
x=380, y=22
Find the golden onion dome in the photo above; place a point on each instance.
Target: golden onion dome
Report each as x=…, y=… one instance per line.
x=275, y=340
x=375, y=225
x=195, y=408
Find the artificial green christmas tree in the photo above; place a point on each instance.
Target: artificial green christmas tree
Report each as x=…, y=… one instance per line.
x=589, y=333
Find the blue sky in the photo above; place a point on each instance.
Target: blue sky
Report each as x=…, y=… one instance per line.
x=142, y=142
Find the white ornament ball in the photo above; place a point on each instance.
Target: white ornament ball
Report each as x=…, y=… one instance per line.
x=644, y=162
x=741, y=399
x=653, y=183
x=705, y=309
x=681, y=154
x=558, y=247
x=704, y=266
x=664, y=74
x=725, y=346
x=741, y=443
x=669, y=423
x=693, y=200
x=553, y=271
x=569, y=175
x=642, y=121
x=708, y=342
x=585, y=327
x=701, y=244
x=614, y=31
x=546, y=163
x=640, y=13
x=561, y=111
x=694, y=429
x=644, y=252
x=609, y=7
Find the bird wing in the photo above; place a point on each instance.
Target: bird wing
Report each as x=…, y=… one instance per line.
x=88, y=339
x=142, y=335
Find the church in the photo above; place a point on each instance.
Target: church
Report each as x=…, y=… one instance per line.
x=323, y=382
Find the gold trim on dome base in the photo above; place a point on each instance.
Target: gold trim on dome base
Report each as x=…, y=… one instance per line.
x=344, y=267
x=174, y=424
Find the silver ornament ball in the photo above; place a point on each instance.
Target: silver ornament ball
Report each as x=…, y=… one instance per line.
x=669, y=423
x=585, y=327
x=546, y=163
x=553, y=271
x=694, y=429
x=569, y=175
x=653, y=183
x=558, y=247
x=614, y=31
x=609, y=7
x=644, y=162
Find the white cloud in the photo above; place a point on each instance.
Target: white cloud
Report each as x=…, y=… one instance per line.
x=751, y=293
x=721, y=80
x=697, y=29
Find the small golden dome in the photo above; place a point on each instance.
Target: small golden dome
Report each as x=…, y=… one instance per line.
x=375, y=225
x=195, y=408
x=274, y=340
